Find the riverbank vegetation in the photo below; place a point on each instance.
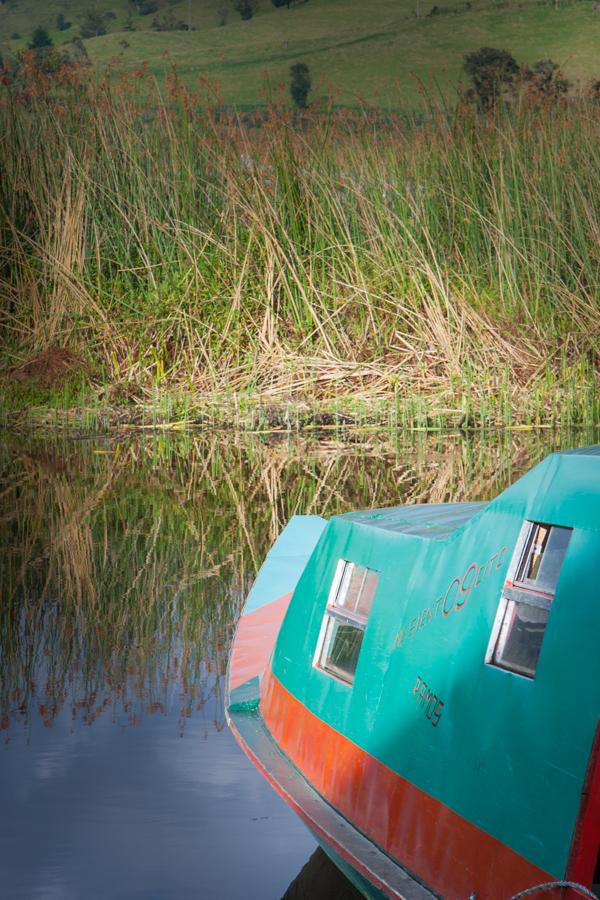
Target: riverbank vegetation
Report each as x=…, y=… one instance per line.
x=441, y=267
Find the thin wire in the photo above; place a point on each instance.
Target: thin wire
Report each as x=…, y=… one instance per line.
x=550, y=885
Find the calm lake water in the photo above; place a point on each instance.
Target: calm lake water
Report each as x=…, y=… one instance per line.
x=123, y=566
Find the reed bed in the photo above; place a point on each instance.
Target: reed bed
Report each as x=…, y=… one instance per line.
x=445, y=265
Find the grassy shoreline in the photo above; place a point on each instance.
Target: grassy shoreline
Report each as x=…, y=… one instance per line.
x=345, y=415
x=439, y=272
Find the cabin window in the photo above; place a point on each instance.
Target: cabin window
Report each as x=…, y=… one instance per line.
x=527, y=597
x=345, y=620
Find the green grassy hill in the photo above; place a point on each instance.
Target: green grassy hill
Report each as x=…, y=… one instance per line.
x=376, y=49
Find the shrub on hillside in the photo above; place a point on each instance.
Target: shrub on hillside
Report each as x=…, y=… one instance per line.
x=146, y=7
x=246, y=8
x=496, y=74
x=40, y=39
x=493, y=73
x=61, y=22
x=300, y=84
x=594, y=90
x=93, y=24
x=168, y=22
x=546, y=81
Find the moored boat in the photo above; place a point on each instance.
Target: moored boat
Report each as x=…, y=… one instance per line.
x=422, y=686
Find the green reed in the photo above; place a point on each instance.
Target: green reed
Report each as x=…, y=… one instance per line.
x=449, y=264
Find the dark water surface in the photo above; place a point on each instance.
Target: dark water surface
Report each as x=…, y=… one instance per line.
x=123, y=566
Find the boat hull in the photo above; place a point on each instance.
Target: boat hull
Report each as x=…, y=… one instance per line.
x=370, y=870
x=388, y=678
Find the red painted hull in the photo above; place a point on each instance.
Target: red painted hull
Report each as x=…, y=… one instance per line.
x=438, y=846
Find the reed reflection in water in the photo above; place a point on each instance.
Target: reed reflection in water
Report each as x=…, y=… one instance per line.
x=123, y=567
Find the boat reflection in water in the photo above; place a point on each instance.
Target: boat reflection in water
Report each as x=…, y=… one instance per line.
x=320, y=879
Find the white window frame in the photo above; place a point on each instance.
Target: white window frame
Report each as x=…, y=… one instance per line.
x=520, y=592
x=339, y=613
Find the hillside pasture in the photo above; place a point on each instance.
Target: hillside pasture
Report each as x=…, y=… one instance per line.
x=380, y=52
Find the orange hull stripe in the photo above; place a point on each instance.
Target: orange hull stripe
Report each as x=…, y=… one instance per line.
x=309, y=820
x=441, y=848
x=254, y=641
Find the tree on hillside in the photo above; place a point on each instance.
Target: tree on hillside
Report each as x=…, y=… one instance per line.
x=246, y=8
x=493, y=73
x=222, y=13
x=92, y=24
x=40, y=39
x=300, y=84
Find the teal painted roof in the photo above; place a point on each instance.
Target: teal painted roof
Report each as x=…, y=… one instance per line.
x=431, y=520
x=594, y=450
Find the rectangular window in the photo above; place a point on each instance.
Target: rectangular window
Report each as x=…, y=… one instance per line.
x=520, y=638
x=345, y=620
x=543, y=557
x=527, y=597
